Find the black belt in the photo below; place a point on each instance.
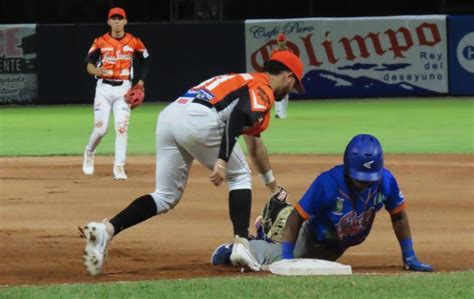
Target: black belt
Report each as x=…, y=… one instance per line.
x=111, y=82
x=204, y=103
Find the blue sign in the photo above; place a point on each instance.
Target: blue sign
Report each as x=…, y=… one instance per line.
x=461, y=55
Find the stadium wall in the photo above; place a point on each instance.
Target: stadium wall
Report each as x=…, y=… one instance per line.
x=344, y=57
x=181, y=55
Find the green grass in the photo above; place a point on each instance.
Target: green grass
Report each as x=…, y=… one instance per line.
x=403, y=126
x=65, y=130
x=437, y=285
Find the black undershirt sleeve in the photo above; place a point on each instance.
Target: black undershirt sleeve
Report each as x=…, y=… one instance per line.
x=242, y=116
x=93, y=56
x=143, y=65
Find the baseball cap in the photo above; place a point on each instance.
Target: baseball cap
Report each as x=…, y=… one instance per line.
x=294, y=64
x=117, y=11
x=281, y=37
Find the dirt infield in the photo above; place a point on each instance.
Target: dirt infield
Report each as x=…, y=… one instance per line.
x=43, y=200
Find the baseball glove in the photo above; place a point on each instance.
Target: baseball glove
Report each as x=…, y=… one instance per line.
x=275, y=214
x=134, y=97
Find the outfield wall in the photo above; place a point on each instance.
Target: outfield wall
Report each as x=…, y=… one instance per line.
x=461, y=54
x=344, y=57
x=181, y=55
x=360, y=57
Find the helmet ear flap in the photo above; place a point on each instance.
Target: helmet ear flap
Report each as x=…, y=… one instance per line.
x=363, y=158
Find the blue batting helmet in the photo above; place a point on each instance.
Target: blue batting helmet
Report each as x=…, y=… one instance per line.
x=363, y=158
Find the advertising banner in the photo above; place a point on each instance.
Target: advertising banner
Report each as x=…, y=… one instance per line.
x=461, y=55
x=359, y=57
x=18, y=79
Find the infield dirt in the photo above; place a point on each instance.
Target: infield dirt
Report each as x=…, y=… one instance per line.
x=43, y=200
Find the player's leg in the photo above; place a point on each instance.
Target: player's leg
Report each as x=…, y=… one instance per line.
x=102, y=110
x=121, y=120
x=239, y=181
x=172, y=169
x=200, y=133
x=306, y=247
x=281, y=107
x=265, y=252
x=284, y=108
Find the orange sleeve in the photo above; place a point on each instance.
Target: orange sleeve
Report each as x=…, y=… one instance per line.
x=302, y=213
x=398, y=209
x=139, y=45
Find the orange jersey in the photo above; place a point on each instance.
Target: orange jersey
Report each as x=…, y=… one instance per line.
x=222, y=91
x=243, y=102
x=116, y=55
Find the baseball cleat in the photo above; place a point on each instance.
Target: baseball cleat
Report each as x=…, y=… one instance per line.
x=241, y=255
x=221, y=256
x=119, y=173
x=88, y=163
x=95, y=251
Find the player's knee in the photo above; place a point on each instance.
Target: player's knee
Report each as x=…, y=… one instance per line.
x=100, y=129
x=121, y=127
x=165, y=201
x=239, y=181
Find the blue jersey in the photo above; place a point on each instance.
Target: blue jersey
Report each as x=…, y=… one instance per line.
x=340, y=217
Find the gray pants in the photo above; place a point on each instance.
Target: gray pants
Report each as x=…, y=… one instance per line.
x=305, y=247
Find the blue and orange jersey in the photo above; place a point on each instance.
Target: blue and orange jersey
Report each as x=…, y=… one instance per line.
x=341, y=217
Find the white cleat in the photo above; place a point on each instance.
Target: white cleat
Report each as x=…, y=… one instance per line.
x=119, y=173
x=95, y=251
x=88, y=163
x=241, y=255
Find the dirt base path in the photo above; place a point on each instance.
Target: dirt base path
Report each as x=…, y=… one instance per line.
x=43, y=200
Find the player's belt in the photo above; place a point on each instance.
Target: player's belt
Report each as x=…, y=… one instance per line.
x=111, y=82
x=203, y=102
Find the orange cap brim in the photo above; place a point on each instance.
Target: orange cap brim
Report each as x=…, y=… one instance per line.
x=294, y=64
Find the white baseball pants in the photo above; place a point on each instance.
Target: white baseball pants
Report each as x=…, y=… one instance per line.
x=187, y=131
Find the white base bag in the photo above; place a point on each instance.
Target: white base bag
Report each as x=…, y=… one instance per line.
x=308, y=267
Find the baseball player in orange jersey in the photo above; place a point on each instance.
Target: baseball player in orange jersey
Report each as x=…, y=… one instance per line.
x=204, y=124
x=281, y=107
x=110, y=59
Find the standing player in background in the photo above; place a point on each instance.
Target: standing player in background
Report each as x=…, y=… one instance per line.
x=110, y=59
x=335, y=213
x=205, y=124
x=281, y=107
